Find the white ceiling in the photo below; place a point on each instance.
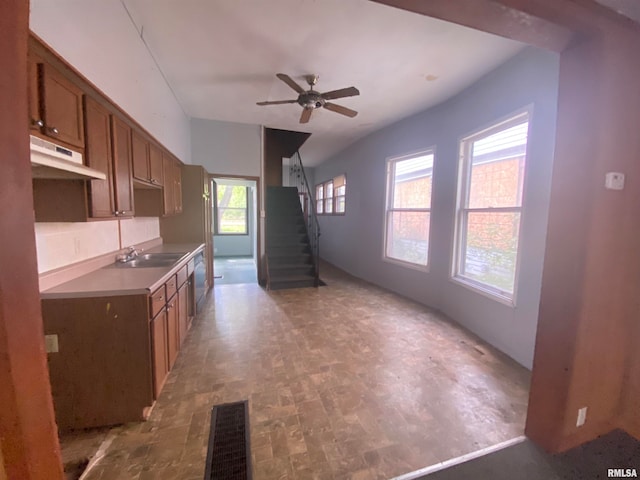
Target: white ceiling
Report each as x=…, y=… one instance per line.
x=220, y=57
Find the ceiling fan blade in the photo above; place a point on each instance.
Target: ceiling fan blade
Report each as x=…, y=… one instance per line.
x=343, y=92
x=340, y=109
x=306, y=115
x=276, y=102
x=289, y=81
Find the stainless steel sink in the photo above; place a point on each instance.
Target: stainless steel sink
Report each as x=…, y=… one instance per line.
x=151, y=260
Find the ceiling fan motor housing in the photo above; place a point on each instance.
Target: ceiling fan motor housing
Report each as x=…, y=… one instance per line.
x=311, y=99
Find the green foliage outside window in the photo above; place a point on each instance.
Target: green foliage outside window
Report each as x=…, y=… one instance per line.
x=231, y=210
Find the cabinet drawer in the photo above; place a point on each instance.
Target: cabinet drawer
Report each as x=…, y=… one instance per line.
x=182, y=276
x=158, y=300
x=171, y=286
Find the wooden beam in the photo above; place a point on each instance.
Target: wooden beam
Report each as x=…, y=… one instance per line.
x=28, y=432
x=494, y=17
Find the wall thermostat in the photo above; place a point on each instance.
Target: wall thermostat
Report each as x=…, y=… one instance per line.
x=614, y=181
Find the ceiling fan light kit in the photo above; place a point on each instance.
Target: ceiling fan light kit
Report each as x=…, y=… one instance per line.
x=310, y=99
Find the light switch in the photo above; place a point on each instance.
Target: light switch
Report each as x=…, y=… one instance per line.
x=614, y=181
x=51, y=343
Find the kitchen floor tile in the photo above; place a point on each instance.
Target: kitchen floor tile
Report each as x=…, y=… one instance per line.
x=343, y=381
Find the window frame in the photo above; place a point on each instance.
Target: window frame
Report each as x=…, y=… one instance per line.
x=329, y=200
x=333, y=199
x=216, y=223
x=336, y=196
x=461, y=215
x=389, y=201
x=319, y=201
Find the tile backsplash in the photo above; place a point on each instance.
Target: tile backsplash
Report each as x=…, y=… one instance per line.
x=138, y=230
x=62, y=244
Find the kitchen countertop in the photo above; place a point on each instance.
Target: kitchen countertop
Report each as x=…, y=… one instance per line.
x=110, y=280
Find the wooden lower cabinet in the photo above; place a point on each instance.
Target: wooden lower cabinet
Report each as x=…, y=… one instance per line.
x=113, y=354
x=173, y=344
x=159, y=351
x=183, y=312
x=101, y=373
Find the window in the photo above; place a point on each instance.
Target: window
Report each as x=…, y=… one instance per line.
x=320, y=199
x=328, y=197
x=331, y=196
x=408, y=213
x=490, y=206
x=231, y=210
x=340, y=191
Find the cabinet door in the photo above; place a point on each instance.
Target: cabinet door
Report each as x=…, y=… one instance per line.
x=140, y=156
x=155, y=164
x=98, y=156
x=183, y=312
x=168, y=185
x=172, y=330
x=35, y=118
x=61, y=107
x=123, y=181
x=177, y=178
x=159, y=353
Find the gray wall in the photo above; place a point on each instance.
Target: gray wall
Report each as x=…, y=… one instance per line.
x=354, y=241
x=225, y=147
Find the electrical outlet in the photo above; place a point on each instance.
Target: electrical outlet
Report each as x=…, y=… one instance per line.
x=51, y=343
x=582, y=417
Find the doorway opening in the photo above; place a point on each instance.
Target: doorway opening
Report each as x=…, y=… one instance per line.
x=235, y=230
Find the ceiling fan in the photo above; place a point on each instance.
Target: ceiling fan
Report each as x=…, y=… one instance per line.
x=309, y=100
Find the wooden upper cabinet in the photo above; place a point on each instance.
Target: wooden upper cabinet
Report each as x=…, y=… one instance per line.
x=168, y=195
x=177, y=178
x=122, y=174
x=35, y=117
x=98, y=155
x=172, y=183
x=147, y=160
x=140, y=153
x=60, y=106
x=155, y=164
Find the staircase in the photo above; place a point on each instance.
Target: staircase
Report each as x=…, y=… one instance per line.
x=291, y=261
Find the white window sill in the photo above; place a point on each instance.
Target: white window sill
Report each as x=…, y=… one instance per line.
x=412, y=266
x=488, y=292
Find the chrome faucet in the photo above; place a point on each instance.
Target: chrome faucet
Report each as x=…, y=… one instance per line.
x=129, y=254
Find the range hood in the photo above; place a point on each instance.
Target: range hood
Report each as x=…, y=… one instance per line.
x=49, y=160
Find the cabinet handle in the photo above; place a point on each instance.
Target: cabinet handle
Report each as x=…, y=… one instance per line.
x=37, y=123
x=53, y=130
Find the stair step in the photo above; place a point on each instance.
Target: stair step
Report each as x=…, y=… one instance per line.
x=286, y=238
x=277, y=272
x=285, y=217
x=284, y=250
x=294, y=281
x=290, y=262
x=290, y=259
